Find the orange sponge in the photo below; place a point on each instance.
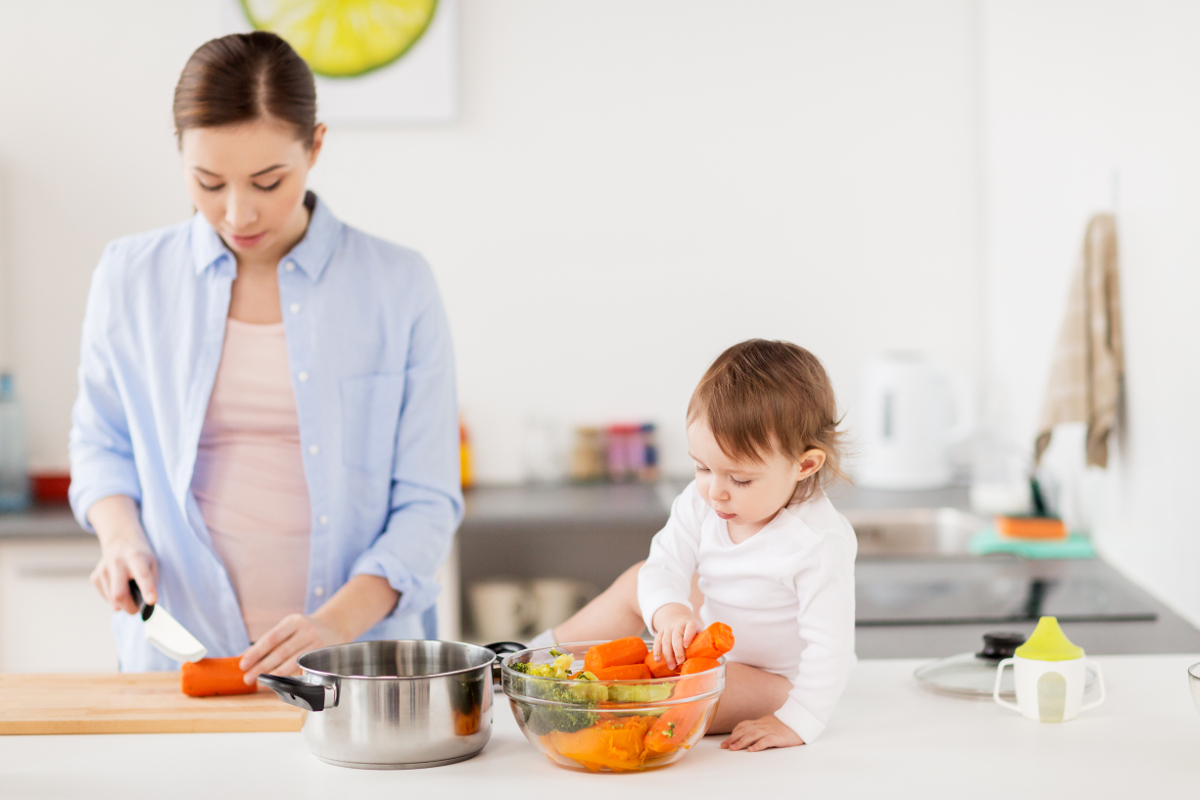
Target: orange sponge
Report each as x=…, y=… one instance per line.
x=1031, y=527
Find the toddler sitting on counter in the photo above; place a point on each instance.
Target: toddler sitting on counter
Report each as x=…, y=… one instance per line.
x=773, y=557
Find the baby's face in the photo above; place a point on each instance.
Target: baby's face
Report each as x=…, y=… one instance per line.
x=746, y=494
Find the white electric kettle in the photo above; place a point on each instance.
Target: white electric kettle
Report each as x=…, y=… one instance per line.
x=913, y=414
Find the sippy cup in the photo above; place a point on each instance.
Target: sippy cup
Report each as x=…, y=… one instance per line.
x=1049, y=673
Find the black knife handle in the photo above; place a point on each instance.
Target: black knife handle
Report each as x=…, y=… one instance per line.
x=136, y=594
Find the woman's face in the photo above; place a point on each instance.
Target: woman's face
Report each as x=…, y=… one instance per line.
x=248, y=181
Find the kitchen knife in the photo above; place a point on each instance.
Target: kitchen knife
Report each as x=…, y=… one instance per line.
x=164, y=632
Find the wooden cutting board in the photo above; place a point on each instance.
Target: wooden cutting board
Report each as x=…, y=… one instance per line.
x=148, y=702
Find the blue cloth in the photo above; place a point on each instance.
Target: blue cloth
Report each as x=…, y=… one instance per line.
x=377, y=411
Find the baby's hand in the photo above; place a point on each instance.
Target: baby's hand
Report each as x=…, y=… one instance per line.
x=677, y=626
x=761, y=734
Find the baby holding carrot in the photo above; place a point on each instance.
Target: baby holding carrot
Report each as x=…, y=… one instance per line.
x=773, y=558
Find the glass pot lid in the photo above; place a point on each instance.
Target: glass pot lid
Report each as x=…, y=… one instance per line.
x=973, y=675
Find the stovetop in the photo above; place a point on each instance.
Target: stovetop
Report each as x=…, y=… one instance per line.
x=993, y=589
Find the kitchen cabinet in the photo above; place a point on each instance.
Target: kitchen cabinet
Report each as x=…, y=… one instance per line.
x=51, y=617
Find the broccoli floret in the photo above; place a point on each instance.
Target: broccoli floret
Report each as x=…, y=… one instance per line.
x=537, y=670
x=574, y=699
x=541, y=719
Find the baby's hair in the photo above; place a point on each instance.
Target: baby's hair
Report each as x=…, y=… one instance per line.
x=760, y=396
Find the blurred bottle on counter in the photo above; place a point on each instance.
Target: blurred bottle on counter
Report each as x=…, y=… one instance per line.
x=587, y=455
x=649, y=444
x=622, y=452
x=464, y=455
x=14, y=475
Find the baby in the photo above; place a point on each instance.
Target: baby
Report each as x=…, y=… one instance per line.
x=774, y=559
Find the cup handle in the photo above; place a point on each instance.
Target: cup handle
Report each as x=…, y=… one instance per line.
x=1100, y=677
x=1008, y=662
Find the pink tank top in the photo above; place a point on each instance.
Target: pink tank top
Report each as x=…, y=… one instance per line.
x=249, y=479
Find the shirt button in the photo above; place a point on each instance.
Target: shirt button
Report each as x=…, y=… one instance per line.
x=295, y=308
x=319, y=591
x=303, y=376
x=324, y=520
x=290, y=266
x=313, y=449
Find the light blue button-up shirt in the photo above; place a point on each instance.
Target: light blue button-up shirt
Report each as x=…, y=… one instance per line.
x=377, y=411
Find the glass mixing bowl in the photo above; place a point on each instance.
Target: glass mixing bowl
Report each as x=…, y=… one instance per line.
x=609, y=726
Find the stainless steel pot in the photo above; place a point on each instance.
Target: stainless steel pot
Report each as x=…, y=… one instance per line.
x=394, y=704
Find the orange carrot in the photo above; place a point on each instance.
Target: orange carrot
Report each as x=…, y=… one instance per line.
x=676, y=726
x=617, y=653
x=715, y=641
x=614, y=744
x=210, y=676
x=694, y=665
x=626, y=672
x=659, y=669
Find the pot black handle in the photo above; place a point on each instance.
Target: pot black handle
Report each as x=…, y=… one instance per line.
x=309, y=696
x=505, y=648
x=502, y=649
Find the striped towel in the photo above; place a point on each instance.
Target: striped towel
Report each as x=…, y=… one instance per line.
x=1085, y=381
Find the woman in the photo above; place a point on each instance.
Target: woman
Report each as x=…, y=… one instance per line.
x=265, y=437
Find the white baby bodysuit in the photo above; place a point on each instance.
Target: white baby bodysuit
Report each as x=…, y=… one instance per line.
x=787, y=592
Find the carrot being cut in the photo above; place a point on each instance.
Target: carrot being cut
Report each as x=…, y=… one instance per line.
x=625, y=672
x=659, y=669
x=713, y=642
x=617, y=653
x=210, y=676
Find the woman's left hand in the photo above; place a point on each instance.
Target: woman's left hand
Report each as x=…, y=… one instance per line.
x=761, y=734
x=276, y=652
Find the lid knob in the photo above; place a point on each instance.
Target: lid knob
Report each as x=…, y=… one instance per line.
x=1049, y=643
x=998, y=646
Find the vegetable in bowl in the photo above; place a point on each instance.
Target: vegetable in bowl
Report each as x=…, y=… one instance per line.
x=580, y=721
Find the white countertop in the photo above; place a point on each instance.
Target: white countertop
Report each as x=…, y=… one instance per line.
x=889, y=738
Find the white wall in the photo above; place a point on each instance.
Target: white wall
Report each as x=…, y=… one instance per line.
x=632, y=186
x=1075, y=92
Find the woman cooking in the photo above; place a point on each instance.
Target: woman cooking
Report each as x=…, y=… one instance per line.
x=265, y=437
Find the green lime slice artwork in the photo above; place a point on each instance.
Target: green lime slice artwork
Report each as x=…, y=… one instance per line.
x=344, y=38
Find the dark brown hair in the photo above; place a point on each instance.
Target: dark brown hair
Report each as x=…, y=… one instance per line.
x=245, y=77
x=761, y=396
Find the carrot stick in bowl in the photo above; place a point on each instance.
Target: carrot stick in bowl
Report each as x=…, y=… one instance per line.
x=617, y=653
x=625, y=672
x=659, y=669
x=675, y=726
x=713, y=642
x=694, y=665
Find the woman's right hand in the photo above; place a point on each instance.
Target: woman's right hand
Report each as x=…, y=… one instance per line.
x=125, y=554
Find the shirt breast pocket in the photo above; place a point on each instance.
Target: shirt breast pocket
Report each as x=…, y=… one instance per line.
x=370, y=420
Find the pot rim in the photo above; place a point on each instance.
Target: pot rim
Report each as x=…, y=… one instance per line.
x=347, y=676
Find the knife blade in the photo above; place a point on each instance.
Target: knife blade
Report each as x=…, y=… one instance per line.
x=164, y=632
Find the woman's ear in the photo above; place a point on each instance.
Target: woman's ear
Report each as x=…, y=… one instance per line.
x=317, y=141
x=810, y=462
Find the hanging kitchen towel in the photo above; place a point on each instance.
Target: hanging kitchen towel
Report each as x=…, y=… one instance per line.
x=1085, y=381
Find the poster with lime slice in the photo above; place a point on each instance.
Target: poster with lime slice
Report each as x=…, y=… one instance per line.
x=375, y=61
x=344, y=38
